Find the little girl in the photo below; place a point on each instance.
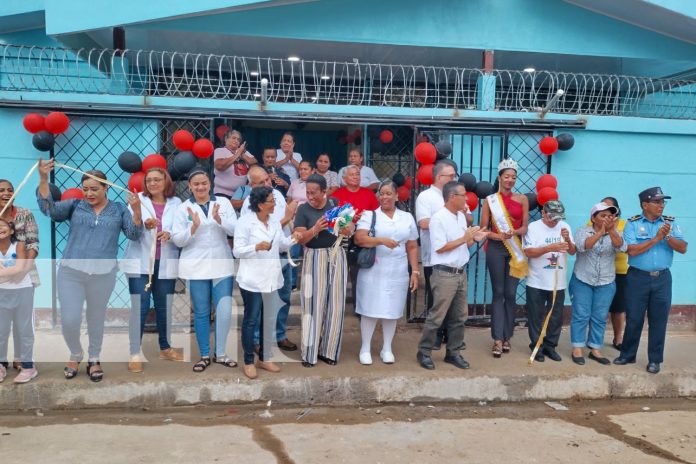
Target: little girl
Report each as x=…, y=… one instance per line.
x=16, y=303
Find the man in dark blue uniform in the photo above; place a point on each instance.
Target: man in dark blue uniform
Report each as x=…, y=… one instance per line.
x=652, y=240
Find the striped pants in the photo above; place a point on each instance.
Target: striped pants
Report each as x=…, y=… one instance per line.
x=323, y=300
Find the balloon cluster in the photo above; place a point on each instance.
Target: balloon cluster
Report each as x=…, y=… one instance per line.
x=45, y=128
x=190, y=150
x=426, y=155
x=131, y=163
x=546, y=190
x=339, y=216
x=403, y=185
x=549, y=145
x=475, y=191
x=354, y=137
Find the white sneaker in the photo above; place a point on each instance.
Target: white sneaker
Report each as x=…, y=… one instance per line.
x=387, y=357
x=25, y=375
x=365, y=359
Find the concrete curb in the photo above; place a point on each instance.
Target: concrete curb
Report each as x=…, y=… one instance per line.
x=60, y=394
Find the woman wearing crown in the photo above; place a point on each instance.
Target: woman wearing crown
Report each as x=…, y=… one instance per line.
x=507, y=213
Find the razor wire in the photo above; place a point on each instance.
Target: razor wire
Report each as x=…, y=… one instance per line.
x=235, y=78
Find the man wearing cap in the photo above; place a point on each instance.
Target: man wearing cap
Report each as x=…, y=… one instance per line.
x=546, y=244
x=652, y=240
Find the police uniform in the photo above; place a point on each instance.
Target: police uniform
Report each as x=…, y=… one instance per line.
x=648, y=283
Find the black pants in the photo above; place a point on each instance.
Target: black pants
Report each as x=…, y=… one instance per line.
x=538, y=305
x=504, y=290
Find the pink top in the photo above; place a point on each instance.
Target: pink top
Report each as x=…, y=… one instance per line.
x=159, y=211
x=298, y=191
x=229, y=180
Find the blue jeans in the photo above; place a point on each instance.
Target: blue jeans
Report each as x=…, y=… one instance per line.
x=283, y=307
x=251, y=324
x=74, y=289
x=161, y=292
x=590, y=308
x=220, y=290
x=17, y=314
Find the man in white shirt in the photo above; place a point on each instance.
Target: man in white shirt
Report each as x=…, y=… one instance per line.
x=450, y=239
x=428, y=203
x=287, y=158
x=283, y=212
x=547, y=243
x=368, y=178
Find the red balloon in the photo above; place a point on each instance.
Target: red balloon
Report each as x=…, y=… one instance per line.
x=350, y=138
x=547, y=180
x=426, y=153
x=183, y=140
x=34, y=122
x=409, y=182
x=403, y=193
x=472, y=200
x=546, y=194
x=357, y=133
x=57, y=122
x=386, y=136
x=203, y=148
x=73, y=194
x=136, y=181
x=220, y=132
x=548, y=145
x=154, y=161
x=425, y=174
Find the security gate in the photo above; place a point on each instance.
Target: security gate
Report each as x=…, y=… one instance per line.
x=95, y=142
x=477, y=152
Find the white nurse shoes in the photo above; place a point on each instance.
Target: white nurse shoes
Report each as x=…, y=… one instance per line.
x=365, y=359
x=387, y=357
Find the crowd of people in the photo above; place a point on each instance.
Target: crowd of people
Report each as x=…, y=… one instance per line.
x=250, y=222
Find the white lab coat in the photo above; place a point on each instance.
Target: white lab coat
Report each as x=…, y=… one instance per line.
x=206, y=254
x=136, y=259
x=259, y=271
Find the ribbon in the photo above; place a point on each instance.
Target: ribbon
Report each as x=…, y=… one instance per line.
x=19, y=187
x=519, y=268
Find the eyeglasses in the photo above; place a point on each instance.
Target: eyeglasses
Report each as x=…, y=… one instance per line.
x=270, y=200
x=154, y=180
x=657, y=202
x=451, y=176
x=459, y=194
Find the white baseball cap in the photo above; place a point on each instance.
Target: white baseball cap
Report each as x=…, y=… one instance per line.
x=603, y=207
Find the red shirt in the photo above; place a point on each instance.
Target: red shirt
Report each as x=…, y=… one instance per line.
x=363, y=199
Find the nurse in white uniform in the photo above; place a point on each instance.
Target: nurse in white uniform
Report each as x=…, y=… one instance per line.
x=382, y=288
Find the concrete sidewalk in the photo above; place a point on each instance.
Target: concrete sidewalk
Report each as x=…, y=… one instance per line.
x=166, y=384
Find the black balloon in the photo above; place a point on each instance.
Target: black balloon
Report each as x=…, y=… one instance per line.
x=532, y=199
x=130, y=162
x=444, y=149
x=565, y=141
x=43, y=141
x=399, y=179
x=182, y=164
x=469, y=181
x=358, y=141
x=483, y=189
x=55, y=192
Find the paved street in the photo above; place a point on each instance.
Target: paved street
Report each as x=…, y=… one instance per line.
x=621, y=431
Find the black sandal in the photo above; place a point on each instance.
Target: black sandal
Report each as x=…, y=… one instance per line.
x=94, y=371
x=202, y=365
x=70, y=372
x=225, y=361
x=307, y=364
x=328, y=361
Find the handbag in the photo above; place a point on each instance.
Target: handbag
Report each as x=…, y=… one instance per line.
x=366, y=256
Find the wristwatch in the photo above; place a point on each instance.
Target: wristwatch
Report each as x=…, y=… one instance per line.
x=415, y=272
x=667, y=237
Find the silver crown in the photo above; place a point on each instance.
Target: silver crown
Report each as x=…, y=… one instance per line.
x=507, y=163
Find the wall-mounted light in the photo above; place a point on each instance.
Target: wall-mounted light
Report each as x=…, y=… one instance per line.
x=293, y=58
x=254, y=73
x=529, y=70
